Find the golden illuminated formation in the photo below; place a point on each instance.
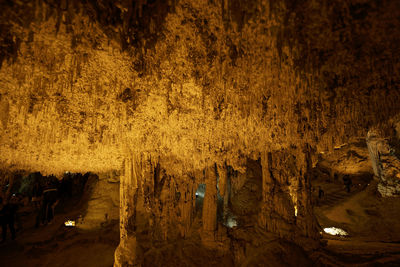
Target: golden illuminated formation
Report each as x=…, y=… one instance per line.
x=225, y=132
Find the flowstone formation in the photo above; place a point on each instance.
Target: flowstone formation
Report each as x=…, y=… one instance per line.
x=176, y=94
x=384, y=155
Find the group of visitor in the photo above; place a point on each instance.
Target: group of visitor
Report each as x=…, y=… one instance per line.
x=43, y=199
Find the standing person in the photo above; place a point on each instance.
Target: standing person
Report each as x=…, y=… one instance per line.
x=321, y=192
x=37, y=193
x=50, y=195
x=7, y=214
x=347, y=183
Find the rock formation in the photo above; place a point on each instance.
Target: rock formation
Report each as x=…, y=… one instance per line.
x=102, y=198
x=385, y=163
x=175, y=94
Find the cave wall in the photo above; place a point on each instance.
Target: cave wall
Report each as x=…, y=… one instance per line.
x=101, y=200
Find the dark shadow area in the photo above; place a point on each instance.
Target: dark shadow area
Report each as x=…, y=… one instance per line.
x=42, y=206
x=246, y=193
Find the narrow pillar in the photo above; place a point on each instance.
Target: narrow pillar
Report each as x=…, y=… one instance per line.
x=375, y=145
x=224, y=187
x=210, y=206
x=306, y=222
x=186, y=206
x=277, y=213
x=125, y=253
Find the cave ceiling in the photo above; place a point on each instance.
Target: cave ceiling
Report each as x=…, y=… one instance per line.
x=83, y=84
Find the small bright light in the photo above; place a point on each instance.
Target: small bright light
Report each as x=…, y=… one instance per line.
x=70, y=223
x=335, y=231
x=200, y=194
x=231, y=222
x=340, y=146
x=295, y=211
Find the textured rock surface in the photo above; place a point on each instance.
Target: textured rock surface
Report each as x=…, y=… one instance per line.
x=102, y=201
x=168, y=89
x=212, y=81
x=385, y=163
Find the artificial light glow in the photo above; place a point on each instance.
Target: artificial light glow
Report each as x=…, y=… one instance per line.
x=335, y=231
x=70, y=223
x=295, y=211
x=340, y=146
x=200, y=194
x=231, y=222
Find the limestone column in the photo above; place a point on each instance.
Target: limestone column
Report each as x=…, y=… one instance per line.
x=376, y=147
x=223, y=184
x=306, y=222
x=186, y=205
x=277, y=213
x=373, y=153
x=266, y=188
x=125, y=254
x=210, y=207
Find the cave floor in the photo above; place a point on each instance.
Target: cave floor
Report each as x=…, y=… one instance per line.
x=371, y=223
x=57, y=245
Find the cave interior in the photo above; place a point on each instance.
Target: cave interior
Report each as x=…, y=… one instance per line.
x=189, y=133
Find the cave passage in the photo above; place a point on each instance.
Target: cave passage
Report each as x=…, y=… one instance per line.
x=199, y=132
